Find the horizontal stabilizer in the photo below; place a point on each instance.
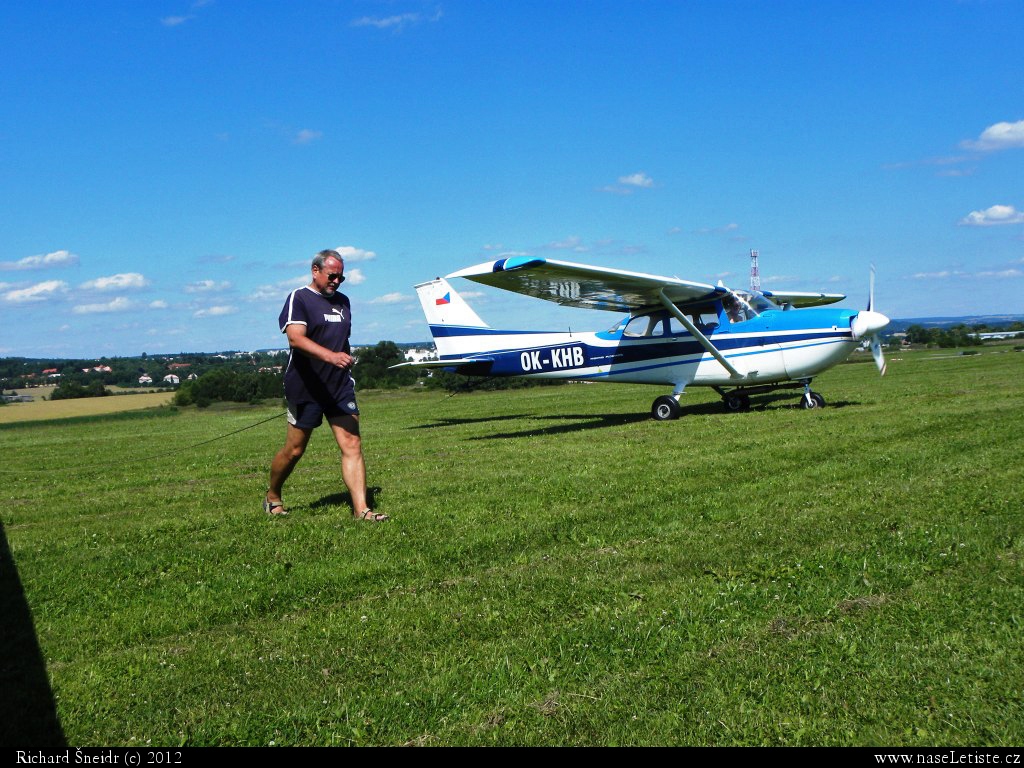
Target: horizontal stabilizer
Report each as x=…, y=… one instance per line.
x=468, y=366
x=443, y=363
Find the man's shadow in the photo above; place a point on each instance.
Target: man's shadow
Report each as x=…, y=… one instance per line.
x=28, y=713
x=343, y=499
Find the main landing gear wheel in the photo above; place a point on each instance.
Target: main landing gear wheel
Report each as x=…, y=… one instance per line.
x=812, y=400
x=735, y=402
x=665, y=408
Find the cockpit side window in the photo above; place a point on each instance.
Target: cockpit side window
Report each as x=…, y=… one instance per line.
x=638, y=327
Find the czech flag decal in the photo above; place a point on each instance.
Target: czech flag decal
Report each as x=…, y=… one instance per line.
x=446, y=299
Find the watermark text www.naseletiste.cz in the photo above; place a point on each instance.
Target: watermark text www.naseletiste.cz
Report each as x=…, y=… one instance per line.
x=950, y=757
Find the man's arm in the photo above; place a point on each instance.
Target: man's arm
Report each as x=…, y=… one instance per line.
x=298, y=340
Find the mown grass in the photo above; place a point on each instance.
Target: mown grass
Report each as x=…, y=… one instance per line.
x=41, y=409
x=559, y=569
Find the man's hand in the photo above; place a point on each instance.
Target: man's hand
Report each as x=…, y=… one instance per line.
x=340, y=359
x=298, y=340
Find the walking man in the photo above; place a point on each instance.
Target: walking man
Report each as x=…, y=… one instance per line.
x=318, y=383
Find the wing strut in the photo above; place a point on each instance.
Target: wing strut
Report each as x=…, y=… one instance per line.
x=704, y=340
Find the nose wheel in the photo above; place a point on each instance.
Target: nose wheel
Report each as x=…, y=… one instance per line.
x=812, y=400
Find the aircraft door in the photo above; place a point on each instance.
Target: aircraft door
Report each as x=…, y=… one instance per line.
x=769, y=362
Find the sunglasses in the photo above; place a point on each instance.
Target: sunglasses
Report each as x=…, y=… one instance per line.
x=336, y=276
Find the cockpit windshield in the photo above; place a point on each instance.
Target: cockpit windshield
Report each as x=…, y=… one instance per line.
x=740, y=305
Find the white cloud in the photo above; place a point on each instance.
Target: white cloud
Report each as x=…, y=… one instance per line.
x=1010, y=273
x=994, y=216
x=174, y=21
x=637, y=180
x=349, y=253
x=390, y=298
x=207, y=286
x=723, y=230
x=998, y=136
x=354, y=277
x=628, y=184
x=38, y=292
x=215, y=311
x=120, y=304
x=55, y=259
x=158, y=304
x=1003, y=273
x=571, y=243
x=278, y=290
x=216, y=258
x=307, y=135
x=116, y=282
x=396, y=22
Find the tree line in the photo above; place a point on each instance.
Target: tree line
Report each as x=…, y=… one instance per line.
x=945, y=338
x=372, y=370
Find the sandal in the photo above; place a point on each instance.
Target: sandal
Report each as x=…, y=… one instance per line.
x=373, y=517
x=274, y=508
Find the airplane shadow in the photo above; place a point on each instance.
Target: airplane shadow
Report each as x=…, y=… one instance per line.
x=788, y=403
x=603, y=421
x=454, y=422
x=584, y=422
x=28, y=712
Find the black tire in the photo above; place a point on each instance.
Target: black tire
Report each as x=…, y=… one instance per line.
x=665, y=408
x=812, y=400
x=737, y=401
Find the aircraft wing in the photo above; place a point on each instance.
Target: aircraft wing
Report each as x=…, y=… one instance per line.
x=803, y=298
x=579, y=285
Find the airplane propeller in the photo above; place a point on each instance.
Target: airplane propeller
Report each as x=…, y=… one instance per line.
x=868, y=324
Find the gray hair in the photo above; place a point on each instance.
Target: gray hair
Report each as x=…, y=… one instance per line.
x=320, y=258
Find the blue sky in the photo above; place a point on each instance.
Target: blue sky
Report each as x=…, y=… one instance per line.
x=170, y=167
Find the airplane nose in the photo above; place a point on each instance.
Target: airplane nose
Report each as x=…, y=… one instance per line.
x=867, y=323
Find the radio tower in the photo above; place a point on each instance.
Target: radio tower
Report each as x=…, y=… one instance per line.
x=755, y=275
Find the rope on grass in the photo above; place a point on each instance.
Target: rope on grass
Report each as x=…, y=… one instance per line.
x=103, y=465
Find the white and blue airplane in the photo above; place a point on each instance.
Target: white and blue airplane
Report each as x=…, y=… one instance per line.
x=677, y=333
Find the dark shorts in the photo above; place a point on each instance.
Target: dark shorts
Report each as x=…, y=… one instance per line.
x=311, y=415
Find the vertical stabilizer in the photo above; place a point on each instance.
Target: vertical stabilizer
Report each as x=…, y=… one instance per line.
x=452, y=321
x=443, y=306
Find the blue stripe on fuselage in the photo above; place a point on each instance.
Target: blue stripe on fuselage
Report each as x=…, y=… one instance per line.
x=642, y=355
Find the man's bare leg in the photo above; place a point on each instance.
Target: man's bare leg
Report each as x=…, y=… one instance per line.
x=353, y=466
x=284, y=462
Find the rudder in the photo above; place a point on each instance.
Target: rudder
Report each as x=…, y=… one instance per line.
x=443, y=306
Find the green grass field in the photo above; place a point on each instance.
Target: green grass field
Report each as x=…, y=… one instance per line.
x=559, y=569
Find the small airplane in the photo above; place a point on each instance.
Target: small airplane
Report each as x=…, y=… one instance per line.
x=677, y=333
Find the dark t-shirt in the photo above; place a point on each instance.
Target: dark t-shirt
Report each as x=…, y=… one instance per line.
x=328, y=322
